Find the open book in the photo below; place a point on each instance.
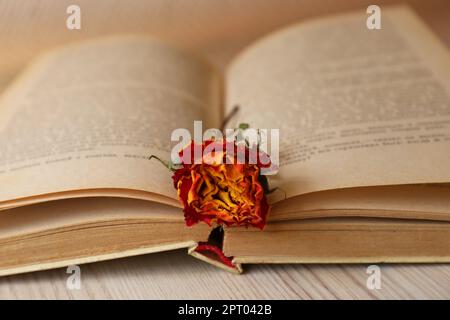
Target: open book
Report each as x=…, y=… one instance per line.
x=364, y=118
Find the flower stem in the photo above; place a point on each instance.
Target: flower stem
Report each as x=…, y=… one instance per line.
x=229, y=117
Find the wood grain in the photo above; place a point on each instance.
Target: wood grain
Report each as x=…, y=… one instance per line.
x=217, y=29
x=176, y=275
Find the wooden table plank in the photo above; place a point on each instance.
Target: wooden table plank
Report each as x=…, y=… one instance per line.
x=176, y=275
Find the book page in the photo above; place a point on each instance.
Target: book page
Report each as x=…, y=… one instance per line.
x=355, y=107
x=42, y=236
x=413, y=201
x=341, y=240
x=89, y=116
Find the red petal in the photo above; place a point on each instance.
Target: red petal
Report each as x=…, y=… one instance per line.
x=205, y=247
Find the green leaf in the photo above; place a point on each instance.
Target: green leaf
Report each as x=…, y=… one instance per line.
x=244, y=126
x=173, y=166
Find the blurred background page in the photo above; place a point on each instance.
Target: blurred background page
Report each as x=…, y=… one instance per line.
x=217, y=29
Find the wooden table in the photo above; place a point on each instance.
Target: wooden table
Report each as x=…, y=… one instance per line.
x=176, y=275
x=218, y=29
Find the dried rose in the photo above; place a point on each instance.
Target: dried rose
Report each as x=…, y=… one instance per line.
x=219, y=192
